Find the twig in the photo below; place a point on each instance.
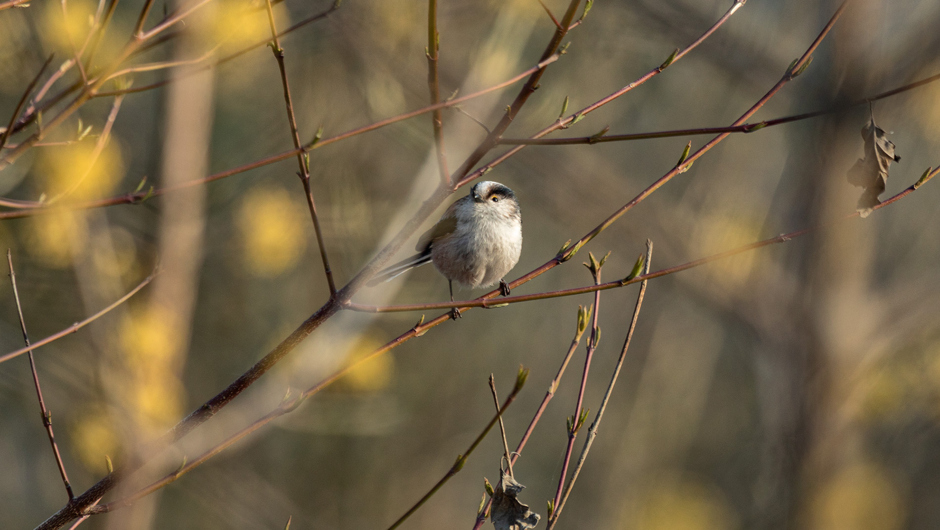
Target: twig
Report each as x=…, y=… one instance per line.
x=96, y=153
x=68, y=36
x=12, y=3
x=574, y=424
x=302, y=160
x=79, y=325
x=142, y=19
x=744, y=128
x=5, y=135
x=437, y=120
x=502, y=428
x=592, y=430
x=462, y=459
x=46, y=415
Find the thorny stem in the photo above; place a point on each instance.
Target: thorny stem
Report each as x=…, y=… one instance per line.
x=592, y=430
x=79, y=325
x=575, y=423
x=302, y=162
x=46, y=415
x=437, y=119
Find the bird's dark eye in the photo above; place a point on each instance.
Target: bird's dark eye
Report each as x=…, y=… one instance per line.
x=495, y=199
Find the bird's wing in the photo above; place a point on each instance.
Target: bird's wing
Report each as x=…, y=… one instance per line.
x=446, y=226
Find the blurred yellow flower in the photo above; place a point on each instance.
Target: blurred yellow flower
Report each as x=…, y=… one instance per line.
x=240, y=22
x=682, y=503
x=78, y=172
x=371, y=375
x=860, y=497
x=150, y=337
x=156, y=401
x=93, y=438
x=718, y=233
x=56, y=238
x=272, y=230
x=59, y=27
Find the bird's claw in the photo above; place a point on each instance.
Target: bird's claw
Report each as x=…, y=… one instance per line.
x=454, y=313
x=504, y=288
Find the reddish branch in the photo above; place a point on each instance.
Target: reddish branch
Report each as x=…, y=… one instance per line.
x=78, y=325
x=575, y=422
x=744, y=128
x=302, y=160
x=46, y=415
x=437, y=120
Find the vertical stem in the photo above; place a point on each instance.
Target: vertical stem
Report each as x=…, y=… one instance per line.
x=592, y=430
x=434, y=40
x=302, y=160
x=502, y=428
x=46, y=416
x=575, y=421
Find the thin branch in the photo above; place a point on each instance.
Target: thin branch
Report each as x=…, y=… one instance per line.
x=462, y=459
x=437, y=120
x=79, y=325
x=96, y=153
x=5, y=135
x=173, y=19
x=502, y=428
x=302, y=159
x=744, y=128
x=142, y=19
x=592, y=430
x=12, y=3
x=68, y=36
x=34, y=207
x=574, y=424
x=46, y=415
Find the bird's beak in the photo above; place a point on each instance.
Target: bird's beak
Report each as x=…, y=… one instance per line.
x=476, y=197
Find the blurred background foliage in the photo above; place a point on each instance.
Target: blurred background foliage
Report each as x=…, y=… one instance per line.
x=793, y=387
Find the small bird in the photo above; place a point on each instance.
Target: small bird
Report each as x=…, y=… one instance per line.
x=476, y=242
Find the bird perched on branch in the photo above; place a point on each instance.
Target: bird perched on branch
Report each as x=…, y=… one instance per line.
x=476, y=242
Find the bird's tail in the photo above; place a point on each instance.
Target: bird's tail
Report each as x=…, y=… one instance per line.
x=399, y=268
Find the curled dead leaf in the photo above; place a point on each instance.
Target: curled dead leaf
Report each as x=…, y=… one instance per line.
x=507, y=512
x=871, y=172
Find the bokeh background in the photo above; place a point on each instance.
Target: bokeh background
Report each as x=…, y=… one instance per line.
x=797, y=386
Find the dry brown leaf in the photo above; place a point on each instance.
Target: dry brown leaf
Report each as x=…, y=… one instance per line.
x=507, y=512
x=871, y=172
